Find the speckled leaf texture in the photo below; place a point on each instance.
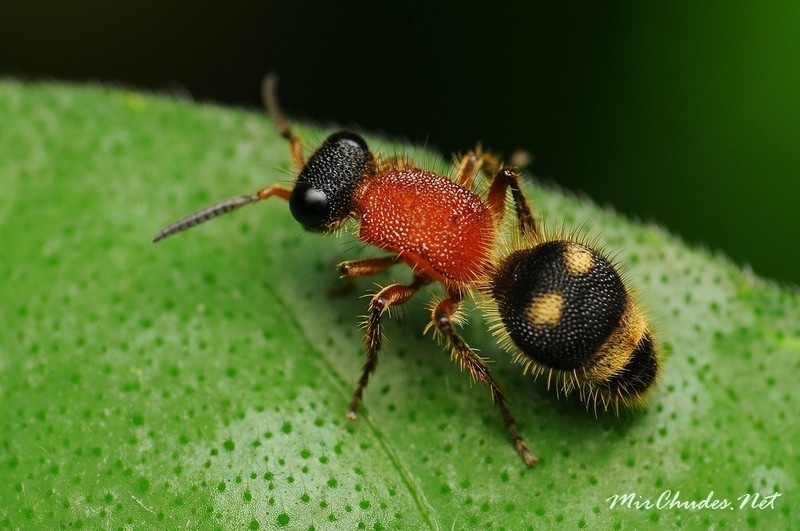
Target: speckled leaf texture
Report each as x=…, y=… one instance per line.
x=202, y=382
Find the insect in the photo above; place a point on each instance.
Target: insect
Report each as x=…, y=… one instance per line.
x=556, y=302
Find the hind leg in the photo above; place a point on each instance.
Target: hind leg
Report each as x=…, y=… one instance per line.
x=477, y=368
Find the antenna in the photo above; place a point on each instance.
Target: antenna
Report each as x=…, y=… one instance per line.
x=222, y=207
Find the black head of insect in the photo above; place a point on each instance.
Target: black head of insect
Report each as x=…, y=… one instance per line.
x=321, y=197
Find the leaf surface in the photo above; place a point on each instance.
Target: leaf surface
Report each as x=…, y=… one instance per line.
x=202, y=382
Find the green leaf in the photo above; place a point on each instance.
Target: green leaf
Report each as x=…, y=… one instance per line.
x=202, y=382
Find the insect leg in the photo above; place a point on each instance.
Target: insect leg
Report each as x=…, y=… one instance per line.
x=367, y=267
x=507, y=178
x=474, y=162
x=360, y=268
x=477, y=368
x=389, y=296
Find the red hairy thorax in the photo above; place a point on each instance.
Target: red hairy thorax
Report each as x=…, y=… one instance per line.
x=439, y=228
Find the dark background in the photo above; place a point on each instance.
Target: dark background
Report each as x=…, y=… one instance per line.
x=684, y=113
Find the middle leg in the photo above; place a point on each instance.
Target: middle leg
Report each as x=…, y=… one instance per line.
x=474, y=162
x=502, y=179
x=393, y=295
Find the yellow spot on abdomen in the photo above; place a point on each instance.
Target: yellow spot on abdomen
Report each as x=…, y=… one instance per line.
x=545, y=310
x=578, y=259
x=616, y=351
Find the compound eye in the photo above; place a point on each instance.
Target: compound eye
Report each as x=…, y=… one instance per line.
x=347, y=137
x=310, y=206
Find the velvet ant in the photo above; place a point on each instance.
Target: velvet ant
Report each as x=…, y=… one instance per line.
x=556, y=302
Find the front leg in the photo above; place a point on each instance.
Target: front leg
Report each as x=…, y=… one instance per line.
x=393, y=295
x=360, y=268
x=367, y=266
